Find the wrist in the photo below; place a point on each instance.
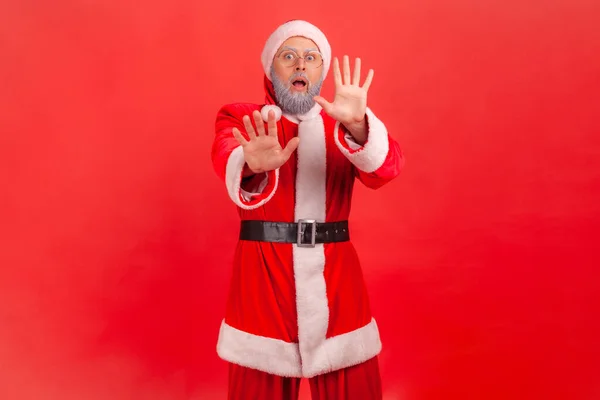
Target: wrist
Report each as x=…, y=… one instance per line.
x=358, y=130
x=355, y=125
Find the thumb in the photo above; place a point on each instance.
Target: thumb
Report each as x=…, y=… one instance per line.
x=327, y=106
x=290, y=147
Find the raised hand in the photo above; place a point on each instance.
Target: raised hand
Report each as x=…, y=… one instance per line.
x=349, y=105
x=262, y=151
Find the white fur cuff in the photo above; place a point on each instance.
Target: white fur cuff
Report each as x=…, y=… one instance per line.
x=233, y=181
x=371, y=156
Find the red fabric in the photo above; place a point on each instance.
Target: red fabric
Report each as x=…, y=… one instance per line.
x=225, y=143
x=360, y=382
x=273, y=312
x=267, y=268
x=246, y=384
x=344, y=282
x=269, y=91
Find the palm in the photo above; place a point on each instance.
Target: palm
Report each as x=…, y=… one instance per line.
x=350, y=102
x=264, y=154
x=262, y=150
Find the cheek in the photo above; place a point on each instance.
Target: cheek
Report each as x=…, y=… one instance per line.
x=282, y=74
x=314, y=76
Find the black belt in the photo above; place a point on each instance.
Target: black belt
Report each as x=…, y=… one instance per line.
x=308, y=235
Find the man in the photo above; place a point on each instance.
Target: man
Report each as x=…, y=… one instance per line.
x=297, y=304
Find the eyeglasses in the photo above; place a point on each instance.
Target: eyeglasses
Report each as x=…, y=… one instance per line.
x=290, y=58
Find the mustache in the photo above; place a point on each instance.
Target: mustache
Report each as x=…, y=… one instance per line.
x=297, y=75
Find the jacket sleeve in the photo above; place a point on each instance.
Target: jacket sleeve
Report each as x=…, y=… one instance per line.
x=228, y=161
x=377, y=161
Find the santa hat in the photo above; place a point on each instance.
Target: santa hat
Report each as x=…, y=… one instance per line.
x=291, y=29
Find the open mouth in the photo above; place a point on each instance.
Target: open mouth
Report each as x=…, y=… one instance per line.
x=299, y=83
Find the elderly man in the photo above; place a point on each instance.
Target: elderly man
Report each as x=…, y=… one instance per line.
x=297, y=305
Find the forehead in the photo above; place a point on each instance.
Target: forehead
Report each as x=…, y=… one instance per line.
x=299, y=43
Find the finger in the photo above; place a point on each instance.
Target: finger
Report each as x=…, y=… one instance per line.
x=238, y=136
x=356, y=78
x=260, y=125
x=368, y=80
x=327, y=106
x=272, y=124
x=291, y=146
x=336, y=72
x=249, y=127
x=346, y=70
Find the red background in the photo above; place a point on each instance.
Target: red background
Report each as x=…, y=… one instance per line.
x=117, y=236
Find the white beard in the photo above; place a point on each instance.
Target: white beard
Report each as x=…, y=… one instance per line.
x=295, y=103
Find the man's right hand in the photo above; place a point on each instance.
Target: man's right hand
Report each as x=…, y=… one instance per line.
x=262, y=151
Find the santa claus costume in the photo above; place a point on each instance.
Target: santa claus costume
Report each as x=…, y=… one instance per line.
x=297, y=305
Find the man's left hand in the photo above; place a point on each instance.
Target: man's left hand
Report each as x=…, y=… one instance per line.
x=350, y=103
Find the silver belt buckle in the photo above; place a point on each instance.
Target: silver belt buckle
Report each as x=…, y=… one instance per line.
x=301, y=223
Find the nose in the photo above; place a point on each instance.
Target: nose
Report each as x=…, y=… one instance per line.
x=301, y=65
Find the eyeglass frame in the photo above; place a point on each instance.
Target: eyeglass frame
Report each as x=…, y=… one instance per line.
x=298, y=57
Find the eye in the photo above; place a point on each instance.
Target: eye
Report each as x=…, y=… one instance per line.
x=288, y=56
x=314, y=58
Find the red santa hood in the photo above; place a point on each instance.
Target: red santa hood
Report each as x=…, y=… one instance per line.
x=271, y=103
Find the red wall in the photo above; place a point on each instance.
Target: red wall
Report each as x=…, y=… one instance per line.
x=117, y=236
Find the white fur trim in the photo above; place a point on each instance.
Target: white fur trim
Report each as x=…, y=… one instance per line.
x=282, y=358
x=233, y=180
x=344, y=351
x=288, y=30
x=372, y=156
x=351, y=142
x=309, y=263
x=262, y=353
x=264, y=112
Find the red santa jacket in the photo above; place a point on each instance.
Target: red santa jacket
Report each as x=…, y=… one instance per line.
x=300, y=311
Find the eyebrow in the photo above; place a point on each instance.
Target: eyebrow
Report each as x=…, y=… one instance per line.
x=296, y=50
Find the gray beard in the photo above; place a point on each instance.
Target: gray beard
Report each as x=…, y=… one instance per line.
x=295, y=103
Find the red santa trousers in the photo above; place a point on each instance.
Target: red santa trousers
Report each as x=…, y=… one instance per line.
x=360, y=382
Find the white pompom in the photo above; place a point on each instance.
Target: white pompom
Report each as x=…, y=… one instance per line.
x=264, y=112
